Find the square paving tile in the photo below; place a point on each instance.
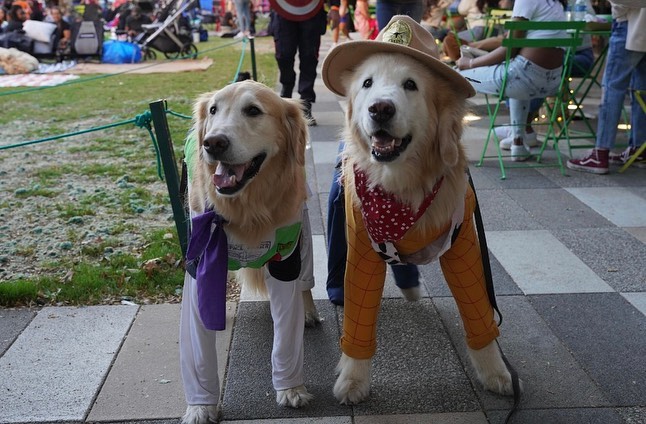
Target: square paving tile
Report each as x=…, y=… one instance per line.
x=248, y=391
x=13, y=322
x=612, y=253
x=561, y=210
x=607, y=337
x=415, y=370
x=605, y=200
x=539, y=263
x=552, y=377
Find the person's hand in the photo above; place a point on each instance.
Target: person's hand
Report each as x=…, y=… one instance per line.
x=464, y=63
x=333, y=18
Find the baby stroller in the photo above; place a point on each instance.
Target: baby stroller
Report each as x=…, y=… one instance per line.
x=170, y=34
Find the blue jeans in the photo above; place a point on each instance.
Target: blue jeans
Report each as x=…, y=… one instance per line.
x=243, y=9
x=583, y=61
x=525, y=81
x=386, y=10
x=624, y=69
x=406, y=276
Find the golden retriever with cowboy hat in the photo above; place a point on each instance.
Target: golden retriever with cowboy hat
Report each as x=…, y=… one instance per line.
x=407, y=198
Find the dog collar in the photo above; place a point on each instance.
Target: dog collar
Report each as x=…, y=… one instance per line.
x=386, y=218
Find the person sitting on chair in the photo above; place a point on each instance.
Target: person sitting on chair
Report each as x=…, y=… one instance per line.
x=63, y=43
x=135, y=22
x=17, y=16
x=533, y=71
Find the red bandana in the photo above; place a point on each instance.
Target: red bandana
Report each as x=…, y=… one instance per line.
x=387, y=219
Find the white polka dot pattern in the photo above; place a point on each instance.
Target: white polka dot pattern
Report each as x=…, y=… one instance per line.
x=387, y=219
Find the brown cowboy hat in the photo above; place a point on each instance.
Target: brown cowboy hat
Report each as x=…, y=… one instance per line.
x=401, y=35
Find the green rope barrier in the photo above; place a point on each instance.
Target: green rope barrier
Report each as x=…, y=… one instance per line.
x=144, y=120
x=179, y=115
x=71, y=134
x=89, y=79
x=244, y=48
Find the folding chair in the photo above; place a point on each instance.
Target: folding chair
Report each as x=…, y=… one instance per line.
x=578, y=92
x=569, y=44
x=496, y=19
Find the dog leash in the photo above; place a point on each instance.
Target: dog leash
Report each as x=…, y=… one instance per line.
x=486, y=264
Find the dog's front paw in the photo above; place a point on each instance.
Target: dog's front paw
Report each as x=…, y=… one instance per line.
x=294, y=397
x=200, y=414
x=353, y=384
x=491, y=370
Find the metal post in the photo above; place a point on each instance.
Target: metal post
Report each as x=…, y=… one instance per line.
x=254, y=72
x=158, y=112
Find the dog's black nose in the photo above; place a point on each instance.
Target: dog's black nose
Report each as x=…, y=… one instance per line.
x=382, y=111
x=216, y=144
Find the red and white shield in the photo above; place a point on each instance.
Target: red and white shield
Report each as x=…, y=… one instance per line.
x=296, y=10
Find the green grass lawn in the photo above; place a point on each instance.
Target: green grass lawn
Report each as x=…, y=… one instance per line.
x=101, y=187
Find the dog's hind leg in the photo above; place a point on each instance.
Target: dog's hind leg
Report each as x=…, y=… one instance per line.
x=306, y=276
x=198, y=360
x=287, y=311
x=200, y=414
x=312, y=318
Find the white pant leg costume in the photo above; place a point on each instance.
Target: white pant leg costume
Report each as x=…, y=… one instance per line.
x=198, y=358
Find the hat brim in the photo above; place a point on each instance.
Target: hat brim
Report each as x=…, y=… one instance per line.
x=347, y=56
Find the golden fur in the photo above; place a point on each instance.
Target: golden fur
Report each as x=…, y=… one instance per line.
x=429, y=113
x=277, y=193
x=275, y=196
x=235, y=126
x=432, y=115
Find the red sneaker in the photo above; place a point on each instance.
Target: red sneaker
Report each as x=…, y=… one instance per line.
x=596, y=162
x=622, y=158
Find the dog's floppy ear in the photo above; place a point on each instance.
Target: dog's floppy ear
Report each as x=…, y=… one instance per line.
x=296, y=127
x=200, y=113
x=449, y=135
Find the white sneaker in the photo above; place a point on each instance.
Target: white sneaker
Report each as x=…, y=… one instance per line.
x=519, y=153
x=239, y=35
x=530, y=140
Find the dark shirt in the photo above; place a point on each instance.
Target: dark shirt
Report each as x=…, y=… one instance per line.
x=60, y=29
x=92, y=12
x=135, y=24
x=13, y=26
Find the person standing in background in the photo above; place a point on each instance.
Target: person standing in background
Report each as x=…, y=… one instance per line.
x=243, y=11
x=298, y=28
x=625, y=69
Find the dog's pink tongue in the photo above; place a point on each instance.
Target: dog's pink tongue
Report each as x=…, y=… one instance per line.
x=227, y=175
x=385, y=143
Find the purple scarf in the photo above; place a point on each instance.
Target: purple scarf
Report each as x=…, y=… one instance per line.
x=207, y=261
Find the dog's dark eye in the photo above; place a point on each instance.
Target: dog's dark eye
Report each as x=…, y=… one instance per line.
x=252, y=111
x=410, y=85
x=367, y=83
x=213, y=110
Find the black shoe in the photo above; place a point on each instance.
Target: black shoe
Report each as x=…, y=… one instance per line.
x=308, y=114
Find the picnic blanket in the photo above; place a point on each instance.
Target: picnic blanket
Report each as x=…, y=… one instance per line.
x=183, y=65
x=34, y=80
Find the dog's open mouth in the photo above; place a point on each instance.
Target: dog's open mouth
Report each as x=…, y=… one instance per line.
x=386, y=148
x=231, y=178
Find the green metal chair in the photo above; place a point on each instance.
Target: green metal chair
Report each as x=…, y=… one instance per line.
x=559, y=107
